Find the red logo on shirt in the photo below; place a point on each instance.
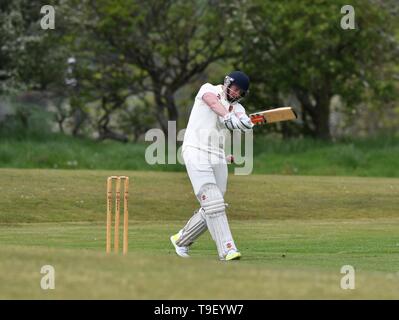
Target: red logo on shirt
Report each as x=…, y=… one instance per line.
x=219, y=96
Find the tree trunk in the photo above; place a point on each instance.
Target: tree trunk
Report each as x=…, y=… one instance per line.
x=60, y=122
x=104, y=132
x=321, y=118
x=173, y=113
x=79, y=117
x=307, y=113
x=78, y=120
x=108, y=134
x=166, y=102
x=319, y=113
x=159, y=113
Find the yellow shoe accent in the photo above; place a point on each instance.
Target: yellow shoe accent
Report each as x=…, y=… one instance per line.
x=233, y=256
x=175, y=237
x=180, y=251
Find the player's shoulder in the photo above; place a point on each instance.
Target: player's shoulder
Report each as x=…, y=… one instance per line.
x=208, y=87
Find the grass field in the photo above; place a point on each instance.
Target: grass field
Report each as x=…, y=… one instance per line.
x=371, y=157
x=295, y=234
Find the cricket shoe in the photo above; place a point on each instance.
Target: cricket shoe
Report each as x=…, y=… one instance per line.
x=181, y=251
x=232, y=255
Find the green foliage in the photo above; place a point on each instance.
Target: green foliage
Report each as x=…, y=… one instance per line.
x=26, y=121
x=153, y=51
x=351, y=157
x=65, y=152
x=303, y=52
x=359, y=157
x=30, y=58
x=160, y=46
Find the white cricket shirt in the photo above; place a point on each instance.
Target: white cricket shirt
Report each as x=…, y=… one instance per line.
x=205, y=129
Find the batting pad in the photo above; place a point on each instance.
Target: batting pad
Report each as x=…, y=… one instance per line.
x=195, y=227
x=213, y=204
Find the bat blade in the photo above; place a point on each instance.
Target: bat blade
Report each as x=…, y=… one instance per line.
x=273, y=115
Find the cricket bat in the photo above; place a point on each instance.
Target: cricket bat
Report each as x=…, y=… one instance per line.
x=273, y=115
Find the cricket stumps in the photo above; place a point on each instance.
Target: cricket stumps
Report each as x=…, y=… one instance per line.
x=118, y=180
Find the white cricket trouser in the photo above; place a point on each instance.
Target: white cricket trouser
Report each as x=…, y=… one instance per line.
x=208, y=174
x=203, y=168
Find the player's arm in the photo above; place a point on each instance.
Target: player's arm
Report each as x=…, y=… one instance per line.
x=242, y=115
x=213, y=102
x=230, y=120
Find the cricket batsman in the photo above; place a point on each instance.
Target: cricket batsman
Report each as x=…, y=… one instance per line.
x=216, y=107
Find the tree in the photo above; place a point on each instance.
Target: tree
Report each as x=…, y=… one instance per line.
x=171, y=41
x=101, y=82
x=299, y=49
x=11, y=28
x=32, y=60
x=107, y=83
x=29, y=55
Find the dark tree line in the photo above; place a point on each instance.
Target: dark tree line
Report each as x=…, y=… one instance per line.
x=133, y=59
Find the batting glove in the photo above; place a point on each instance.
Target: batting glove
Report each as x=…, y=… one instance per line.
x=231, y=122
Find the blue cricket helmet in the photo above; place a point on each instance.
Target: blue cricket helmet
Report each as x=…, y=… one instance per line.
x=241, y=80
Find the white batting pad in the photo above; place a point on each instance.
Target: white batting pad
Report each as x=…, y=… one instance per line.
x=213, y=204
x=195, y=227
